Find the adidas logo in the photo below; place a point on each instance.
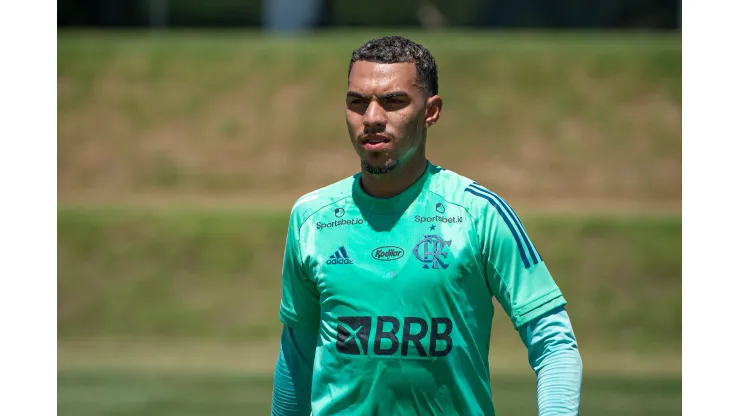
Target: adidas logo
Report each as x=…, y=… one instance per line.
x=340, y=257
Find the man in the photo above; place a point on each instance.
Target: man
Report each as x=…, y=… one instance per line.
x=388, y=275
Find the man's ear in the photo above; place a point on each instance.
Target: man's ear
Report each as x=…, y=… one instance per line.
x=434, y=110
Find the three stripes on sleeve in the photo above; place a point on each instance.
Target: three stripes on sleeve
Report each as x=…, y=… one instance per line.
x=512, y=221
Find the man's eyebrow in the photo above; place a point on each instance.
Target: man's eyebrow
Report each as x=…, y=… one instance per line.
x=392, y=94
x=385, y=96
x=357, y=95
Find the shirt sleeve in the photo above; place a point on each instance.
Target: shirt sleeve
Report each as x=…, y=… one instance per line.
x=515, y=272
x=554, y=357
x=291, y=394
x=299, y=305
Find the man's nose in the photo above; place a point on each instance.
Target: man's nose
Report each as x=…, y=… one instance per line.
x=374, y=117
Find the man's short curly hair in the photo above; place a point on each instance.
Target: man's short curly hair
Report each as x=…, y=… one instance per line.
x=397, y=49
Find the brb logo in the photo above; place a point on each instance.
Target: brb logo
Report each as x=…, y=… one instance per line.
x=354, y=332
x=430, y=251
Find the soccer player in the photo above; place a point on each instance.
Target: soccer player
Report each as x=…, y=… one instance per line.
x=388, y=275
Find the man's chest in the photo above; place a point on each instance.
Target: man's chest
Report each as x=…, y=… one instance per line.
x=406, y=257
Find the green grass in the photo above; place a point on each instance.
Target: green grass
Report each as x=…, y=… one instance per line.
x=171, y=309
x=122, y=393
x=189, y=272
x=550, y=116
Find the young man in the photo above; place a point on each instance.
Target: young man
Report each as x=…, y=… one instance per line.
x=388, y=275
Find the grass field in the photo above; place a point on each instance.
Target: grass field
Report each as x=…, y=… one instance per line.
x=180, y=153
x=125, y=393
x=582, y=120
x=215, y=273
x=172, y=311
x=189, y=378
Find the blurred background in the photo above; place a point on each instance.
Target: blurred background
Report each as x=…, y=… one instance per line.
x=186, y=130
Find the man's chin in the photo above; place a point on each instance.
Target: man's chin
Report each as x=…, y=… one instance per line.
x=379, y=168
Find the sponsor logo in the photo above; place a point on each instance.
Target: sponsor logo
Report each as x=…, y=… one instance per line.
x=339, y=212
x=339, y=223
x=439, y=218
x=394, y=336
x=431, y=251
x=388, y=253
x=340, y=257
x=440, y=208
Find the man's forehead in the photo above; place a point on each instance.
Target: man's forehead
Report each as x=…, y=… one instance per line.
x=378, y=76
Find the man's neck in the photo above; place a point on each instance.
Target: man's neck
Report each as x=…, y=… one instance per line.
x=390, y=184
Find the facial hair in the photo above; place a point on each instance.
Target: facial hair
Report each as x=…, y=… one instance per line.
x=388, y=166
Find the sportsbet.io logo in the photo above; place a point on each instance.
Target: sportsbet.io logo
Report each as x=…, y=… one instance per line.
x=339, y=223
x=389, y=337
x=388, y=253
x=438, y=218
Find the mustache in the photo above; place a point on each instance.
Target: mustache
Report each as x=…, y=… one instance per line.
x=371, y=130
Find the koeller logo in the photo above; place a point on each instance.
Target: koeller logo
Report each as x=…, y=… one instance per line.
x=388, y=253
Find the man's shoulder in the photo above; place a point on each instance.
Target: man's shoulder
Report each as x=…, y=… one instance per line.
x=312, y=202
x=460, y=190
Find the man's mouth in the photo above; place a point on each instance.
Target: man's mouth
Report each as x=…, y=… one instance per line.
x=375, y=143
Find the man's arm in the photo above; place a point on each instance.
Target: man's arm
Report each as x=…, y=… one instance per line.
x=291, y=395
x=554, y=357
x=521, y=282
x=300, y=314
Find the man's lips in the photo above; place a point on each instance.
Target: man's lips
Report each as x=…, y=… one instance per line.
x=375, y=142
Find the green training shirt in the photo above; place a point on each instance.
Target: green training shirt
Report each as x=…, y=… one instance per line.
x=399, y=293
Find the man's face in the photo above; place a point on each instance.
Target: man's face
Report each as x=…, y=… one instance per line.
x=386, y=114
